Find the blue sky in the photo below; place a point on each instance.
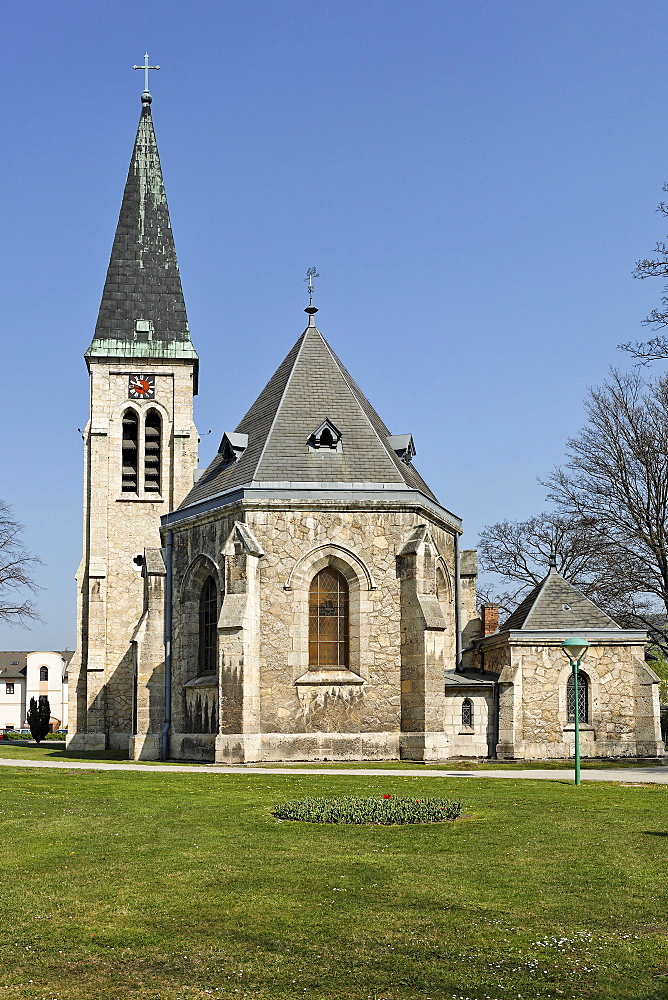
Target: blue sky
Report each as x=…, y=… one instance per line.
x=474, y=181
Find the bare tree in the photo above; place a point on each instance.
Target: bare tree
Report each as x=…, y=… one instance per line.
x=656, y=348
x=616, y=480
x=16, y=566
x=515, y=556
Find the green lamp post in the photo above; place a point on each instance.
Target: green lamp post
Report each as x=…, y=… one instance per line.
x=575, y=650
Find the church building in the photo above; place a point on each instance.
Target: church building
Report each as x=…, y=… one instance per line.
x=304, y=597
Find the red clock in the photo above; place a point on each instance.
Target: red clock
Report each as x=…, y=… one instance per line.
x=141, y=386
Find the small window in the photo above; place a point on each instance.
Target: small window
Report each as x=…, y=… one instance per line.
x=328, y=621
x=467, y=713
x=152, y=447
x=130, y=452
x=9, y=688
x=325, y=438
x=208, y=627
x=43, y=674
x=583, y=697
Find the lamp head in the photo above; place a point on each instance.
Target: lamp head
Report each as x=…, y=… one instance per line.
x=575, y=649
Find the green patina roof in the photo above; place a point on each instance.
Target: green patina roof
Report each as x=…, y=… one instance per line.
x=142, y=312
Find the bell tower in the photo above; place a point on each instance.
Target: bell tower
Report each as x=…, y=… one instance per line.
x=140, y=447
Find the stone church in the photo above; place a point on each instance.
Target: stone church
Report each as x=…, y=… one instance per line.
x=304, y=597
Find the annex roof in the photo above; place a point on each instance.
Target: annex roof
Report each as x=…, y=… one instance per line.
x=556, y=604
x=142, y=312
x=309, y=387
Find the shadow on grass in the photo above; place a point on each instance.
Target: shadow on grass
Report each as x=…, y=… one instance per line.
x=45, y=752
x=655, y=833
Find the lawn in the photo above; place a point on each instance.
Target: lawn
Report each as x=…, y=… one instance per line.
x=167, y=886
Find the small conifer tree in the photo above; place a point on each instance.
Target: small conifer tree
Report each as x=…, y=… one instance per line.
x=39, y=718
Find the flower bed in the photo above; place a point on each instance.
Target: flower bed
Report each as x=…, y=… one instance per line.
x=386, y=811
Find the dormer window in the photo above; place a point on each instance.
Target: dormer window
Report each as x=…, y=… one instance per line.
x=403, y=447
x=233, y=446
x=143, y=329
x=326, y=438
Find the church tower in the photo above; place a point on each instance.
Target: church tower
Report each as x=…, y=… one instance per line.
x=140, y=448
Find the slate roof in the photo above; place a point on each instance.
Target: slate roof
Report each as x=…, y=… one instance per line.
x=13, y=663
x=310, y=385
x=143, y=280
x=556, y=604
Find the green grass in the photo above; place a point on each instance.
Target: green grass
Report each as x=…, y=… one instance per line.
x=165, y=886
x=58, y=753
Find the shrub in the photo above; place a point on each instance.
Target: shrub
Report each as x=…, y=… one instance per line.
x=39, y=718
x=385, y=811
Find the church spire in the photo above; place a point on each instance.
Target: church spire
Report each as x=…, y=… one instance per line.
x=142, y=312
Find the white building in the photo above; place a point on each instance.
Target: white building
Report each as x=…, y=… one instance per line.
x=26, y=675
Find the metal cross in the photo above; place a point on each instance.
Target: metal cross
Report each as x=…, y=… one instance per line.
x=146, y=68
x=310, y=275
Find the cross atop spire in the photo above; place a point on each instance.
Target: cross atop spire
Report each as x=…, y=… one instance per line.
x=146, y=96
x=311, y=309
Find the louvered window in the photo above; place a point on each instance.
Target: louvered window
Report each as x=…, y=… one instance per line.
x=130, y=453
x=208, y=627
x=152, y=445
x=328, y=620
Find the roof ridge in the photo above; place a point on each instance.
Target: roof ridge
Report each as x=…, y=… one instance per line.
x=280, y=402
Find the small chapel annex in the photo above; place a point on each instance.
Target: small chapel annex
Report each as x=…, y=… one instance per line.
x=305, y=596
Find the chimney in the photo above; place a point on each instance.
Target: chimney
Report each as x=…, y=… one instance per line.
x=489, y=614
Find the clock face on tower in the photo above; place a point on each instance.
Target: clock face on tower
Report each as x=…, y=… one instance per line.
x=141, y=387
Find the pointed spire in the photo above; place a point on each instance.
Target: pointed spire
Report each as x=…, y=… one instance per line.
x=142, y=312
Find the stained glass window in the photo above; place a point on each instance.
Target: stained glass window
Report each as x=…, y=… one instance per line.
x=583, y=697
x=328, y=620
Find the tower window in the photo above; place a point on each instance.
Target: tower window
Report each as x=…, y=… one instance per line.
x=328, y=620
x=208, y=627
x=43, y=674
x=130, y=452
x=583, y=697
x=152, y=446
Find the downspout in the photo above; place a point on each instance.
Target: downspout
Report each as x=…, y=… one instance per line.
x=458, y=608
x=164, y=750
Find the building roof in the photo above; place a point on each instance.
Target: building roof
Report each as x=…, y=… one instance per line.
x=13, y=663
x=142, y=312
x=309, y=390
x=556, y=604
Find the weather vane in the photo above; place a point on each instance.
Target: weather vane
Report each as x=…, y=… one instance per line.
x=310, y=275
x=146, y=68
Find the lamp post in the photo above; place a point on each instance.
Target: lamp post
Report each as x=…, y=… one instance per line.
x=575, y=650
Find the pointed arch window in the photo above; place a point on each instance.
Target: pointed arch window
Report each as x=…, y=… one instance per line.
x=328, y=645
x=583, y=697
x=152, y=451
x=130, y=452
x=208, y=627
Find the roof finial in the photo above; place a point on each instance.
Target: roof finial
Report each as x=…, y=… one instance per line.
x=146, y=97
x=553, y=561
x=311, y=309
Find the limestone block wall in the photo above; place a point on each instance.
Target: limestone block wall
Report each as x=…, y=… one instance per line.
x=533, y=712
x=300, y=712
x=475, y=740
x=117, y=527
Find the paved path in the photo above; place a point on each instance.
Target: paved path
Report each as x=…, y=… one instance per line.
x=627, y=775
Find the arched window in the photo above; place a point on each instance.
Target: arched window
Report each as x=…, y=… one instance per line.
x=130, y=454
x=467, y=713
x=43, y=674
x=152, y=445
x=208, y=627
x=583, y=697
x=328, y=632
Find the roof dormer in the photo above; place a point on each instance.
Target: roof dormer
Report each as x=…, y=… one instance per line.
x=233, y=445
x=326, y=438
x=403, y=446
